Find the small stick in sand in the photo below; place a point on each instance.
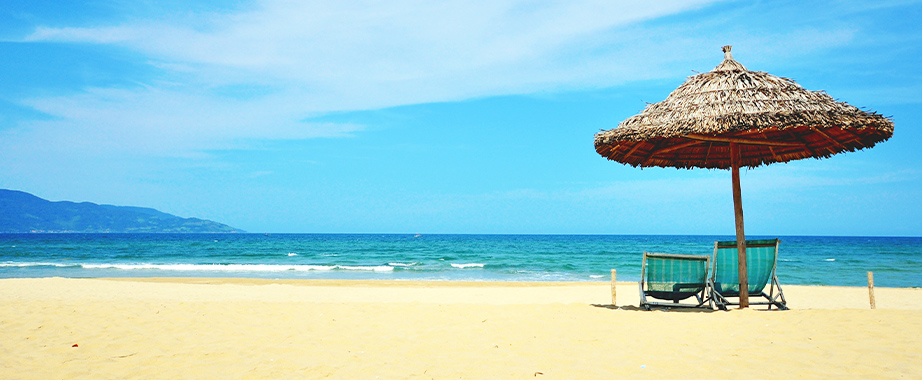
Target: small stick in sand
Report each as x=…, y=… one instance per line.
x=871, y=289
x=614, y=290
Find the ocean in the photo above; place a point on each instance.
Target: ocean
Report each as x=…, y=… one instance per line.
x=803, y=260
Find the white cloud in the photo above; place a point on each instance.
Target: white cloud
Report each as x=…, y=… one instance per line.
x=151, y=121
x=377, y=54
x=104, y=35
x=317, y=57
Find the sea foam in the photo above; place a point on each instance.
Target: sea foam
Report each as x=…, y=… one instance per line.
x=237, y=267
x=402, y=264
x=471, y=265
x=25, y=265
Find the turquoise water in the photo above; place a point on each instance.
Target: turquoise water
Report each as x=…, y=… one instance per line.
x=896, y=261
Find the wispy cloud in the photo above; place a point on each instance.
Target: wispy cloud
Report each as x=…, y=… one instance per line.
x=375, y=54
x=162, y=122
x=255, y=73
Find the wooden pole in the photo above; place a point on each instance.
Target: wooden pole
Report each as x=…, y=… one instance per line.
x=614, y=290
x=871, y=289
x=740, y=230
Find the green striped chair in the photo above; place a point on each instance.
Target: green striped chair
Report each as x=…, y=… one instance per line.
x=761, y=262
x=673, y=278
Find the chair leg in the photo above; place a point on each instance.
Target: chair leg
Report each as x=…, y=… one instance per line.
x=783, y=305
x=719, y=300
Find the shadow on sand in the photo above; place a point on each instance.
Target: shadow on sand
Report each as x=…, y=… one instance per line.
x=656, y=308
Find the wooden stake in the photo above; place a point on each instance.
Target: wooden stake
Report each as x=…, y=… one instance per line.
x=740, y=230
x=871, y=289
x=614, y=291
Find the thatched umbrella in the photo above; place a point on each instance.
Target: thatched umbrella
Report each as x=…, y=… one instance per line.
x=731, y=117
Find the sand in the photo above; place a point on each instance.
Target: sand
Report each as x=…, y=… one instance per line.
x=287, y=329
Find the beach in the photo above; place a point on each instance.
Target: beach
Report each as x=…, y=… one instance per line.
x=202, y=328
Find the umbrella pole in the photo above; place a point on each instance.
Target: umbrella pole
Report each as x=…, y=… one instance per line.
x=740, y=231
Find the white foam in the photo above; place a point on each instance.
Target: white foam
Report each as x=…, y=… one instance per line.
x=595, y=276
x=237, y=267
x=829, y=260
x=471, y=265
x=381, y=268
x=402, y=264
x=292, y=254
x=24, y=265
x=212, y=267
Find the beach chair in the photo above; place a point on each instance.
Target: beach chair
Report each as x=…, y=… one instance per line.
x=761, y=262
x=673, y=278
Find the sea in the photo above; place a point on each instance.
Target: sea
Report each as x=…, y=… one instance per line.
x=803, y=260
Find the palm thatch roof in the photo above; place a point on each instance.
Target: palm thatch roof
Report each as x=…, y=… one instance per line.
x=772, y=119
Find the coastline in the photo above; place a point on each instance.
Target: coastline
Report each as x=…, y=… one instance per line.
x=254, y=328
x=840, y=261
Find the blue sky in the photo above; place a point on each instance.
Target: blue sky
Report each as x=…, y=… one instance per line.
x=440, y=117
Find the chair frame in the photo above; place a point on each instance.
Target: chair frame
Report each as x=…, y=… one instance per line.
x=700, y=296
x=721, y=301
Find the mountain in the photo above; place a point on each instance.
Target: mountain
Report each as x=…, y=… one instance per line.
x=24, y=212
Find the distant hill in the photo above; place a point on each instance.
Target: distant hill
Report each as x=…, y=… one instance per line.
x=24, y=212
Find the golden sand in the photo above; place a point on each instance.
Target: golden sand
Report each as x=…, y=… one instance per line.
x=289, y=329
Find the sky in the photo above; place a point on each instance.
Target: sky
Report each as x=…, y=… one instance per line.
x=441, y=117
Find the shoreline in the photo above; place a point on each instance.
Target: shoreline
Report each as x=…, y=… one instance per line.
x=393, y=282
x=389, y=282
x=217, y=328
x=443, y=291
x=841, y=261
